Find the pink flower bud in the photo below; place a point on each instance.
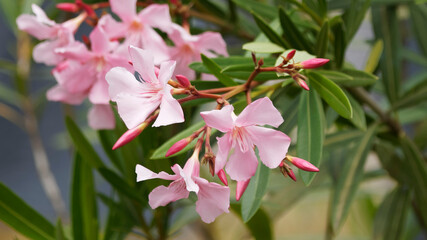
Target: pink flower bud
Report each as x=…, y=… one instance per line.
x=183, y=80
x=291, y=174
x=221, y=175
x=88, y=9
x=68, y=7
x=129, y=135
x=302, y=164
x=240, y=188
x=303, y=84
x=178, y=146
x=314, y=63
x=290, y=55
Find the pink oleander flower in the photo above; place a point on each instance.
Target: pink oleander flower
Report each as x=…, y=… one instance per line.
x=56, y=35
x=242, y=134
x=188, y=48
x=313, y=63
x=137, y=29
x=136, y=100
x=213, y=199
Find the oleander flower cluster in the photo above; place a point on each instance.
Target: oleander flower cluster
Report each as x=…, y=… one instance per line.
x=128, y=62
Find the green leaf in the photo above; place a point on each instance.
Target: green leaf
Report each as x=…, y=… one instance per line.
x=310, y=135
x=185, y=216
x=59, y=232
x=21, y=217
x=374, y=56
x=272, y=35
x=76, y=203
x=319, y=6
x=419, y=18
x=225, y=62
x=413, y=97
x=266, y=11
x=211, y=7
x=332, y=94
x=120, y=184
x=354, y=16
x=10, y=10
x=107, y=138
x=259, y=225
x=9, y=96
x=359, y=118
x=82, y=144
x=391, y=215
x=386, y=27
x=292, y=34
x=340, y=42
x=349, y=179
x=252, y=198
x=215, y=69
x=322, y=41
x=360, y=78
x=298, y=57
x=263, y=47
x=160, y=152
x=416, y=174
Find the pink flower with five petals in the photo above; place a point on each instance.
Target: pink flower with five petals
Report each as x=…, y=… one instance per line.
x=213, y=199
x=136, y=100
x=242, y=133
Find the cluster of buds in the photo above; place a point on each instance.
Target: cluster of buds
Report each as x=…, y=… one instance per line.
x=297, y=162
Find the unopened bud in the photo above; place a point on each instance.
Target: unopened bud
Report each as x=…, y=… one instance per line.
x=209, y=158
x=303, y=84
x=68, y=7
x=291, y=174
x=221, y=175
x=290, y=55
x=241, y=188
x=287, y=171
x=314, y=63
x=178, y=146
x=261, y=62
x=302, y=164
x=129, y=135
x=88, y=9
x=183, y=80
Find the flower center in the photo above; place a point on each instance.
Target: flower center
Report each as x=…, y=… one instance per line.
x=136, y=25
x=242, y=138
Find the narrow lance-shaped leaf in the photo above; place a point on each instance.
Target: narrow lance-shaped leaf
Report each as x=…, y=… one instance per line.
x=359, y=118
x=311, y=125
x=374, y=56
x=332, y=94
x=354, y=16
x=259, y=225
x=215, y=69
x=349, y=179
x=269, y=32
x=252, y=198
x=292, y=34
x=340, y=42
x=21, y=217
x=263, y=47
x=264, y=10
x=419, y=18
x=322, y=40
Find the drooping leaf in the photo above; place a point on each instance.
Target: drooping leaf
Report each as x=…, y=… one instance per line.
x=263, y=47
x=310, y=135
x=332, y=94
x=340, y=42
x=252, y=198
x=215, y=69
x=292, y=34
x=322, y=41
x=272, y=35
x=21, y=217
x=349, y=179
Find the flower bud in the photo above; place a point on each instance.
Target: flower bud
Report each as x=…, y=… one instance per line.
x=221, y=175
x=291, y=174
x=209, y=158
x=302, y=164
x=303, y=84
x=129, y=135
x=287, y=171
x=178, y=146
x=183, y=80
x=68, y=7
x=240, y=188
x=290, y=55
x=314, y=63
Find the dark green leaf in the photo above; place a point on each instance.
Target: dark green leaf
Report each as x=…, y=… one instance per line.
x=264, y=10
x=332, y=94
x=82, y=144
x=359, y=118
x=211, y=7
x=232, y=60
x=185, y=216
x=391, y=215
x=319, y=6
x=272, y=35
x=252, y=198
x=360, y=78
x=354, y=16
x=21, y=217
x=310, y=135
x=215, y=69
x=292, y=34
x=321, y=47
x=340, y=42
x=263, y=47
x=59, y=232
x=76, y=203
x=349, y=179
x=419, y=18
x=259, y=225
x=120, y=184
x=107, y=138
x=415, y=96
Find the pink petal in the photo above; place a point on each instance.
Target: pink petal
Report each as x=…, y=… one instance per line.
x=153, y=41
x=272, y=145
x=60, y=94
x=260, y=112
x=112, y=28
x=161, y=196
x=187, y=174
x=143, y=173
x=157, y=15
x=76, y=77
x=242, y=165
x=101, y=117
x=134, y=110
x=224, y=146
x=241, y=188
x=125, y=9
x=30, y=25
x=166, y=71
x=170, y=110
x=99, y=41
x=75, y=51
x=99, y=92
x=213, y=200
x=219, y=119
x=44, y=53
x=212, y=41
x=41, y=15
x=121, y=81
x=143, y=62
